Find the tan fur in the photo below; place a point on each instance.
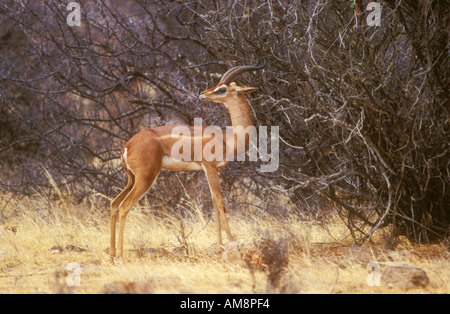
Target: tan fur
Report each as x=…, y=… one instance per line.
x=149, y=151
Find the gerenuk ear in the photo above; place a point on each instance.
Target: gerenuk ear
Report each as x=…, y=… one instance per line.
x=244, y=89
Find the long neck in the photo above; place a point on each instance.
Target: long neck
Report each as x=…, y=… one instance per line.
x=240, y=112
x=242, y=123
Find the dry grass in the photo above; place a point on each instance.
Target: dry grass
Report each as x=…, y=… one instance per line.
x=38, y=239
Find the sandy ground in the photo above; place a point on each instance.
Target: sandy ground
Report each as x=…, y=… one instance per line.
x=59, y=248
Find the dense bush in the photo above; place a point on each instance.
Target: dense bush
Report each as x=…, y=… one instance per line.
x=362, y=110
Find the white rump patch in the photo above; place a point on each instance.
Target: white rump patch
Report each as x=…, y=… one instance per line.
x=124, y=156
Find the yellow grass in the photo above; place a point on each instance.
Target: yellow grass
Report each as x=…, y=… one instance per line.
x=39, y=239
